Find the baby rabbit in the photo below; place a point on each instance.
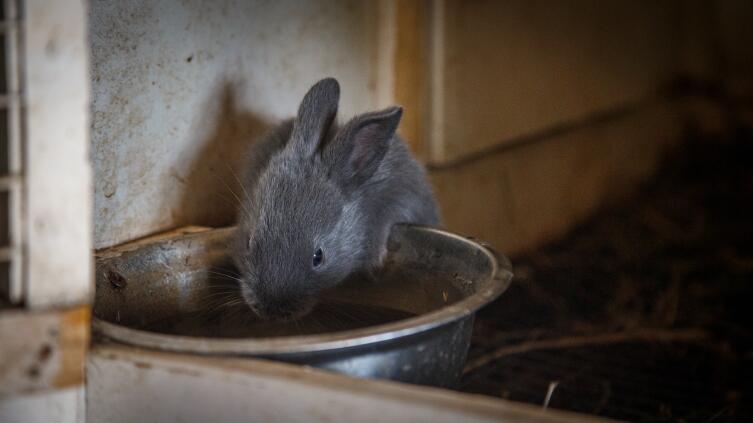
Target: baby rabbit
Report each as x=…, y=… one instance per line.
x=320, y=202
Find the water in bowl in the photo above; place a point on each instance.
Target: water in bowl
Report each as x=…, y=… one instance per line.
x=354, y=304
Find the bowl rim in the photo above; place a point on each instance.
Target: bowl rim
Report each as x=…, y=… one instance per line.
x=498, y=281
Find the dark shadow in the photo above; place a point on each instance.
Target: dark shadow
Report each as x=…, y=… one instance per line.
x=212, y=190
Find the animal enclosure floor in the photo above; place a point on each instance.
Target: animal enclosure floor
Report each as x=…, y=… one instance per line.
x=642, y=312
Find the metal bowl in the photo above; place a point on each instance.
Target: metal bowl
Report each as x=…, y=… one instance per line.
x=432, y=285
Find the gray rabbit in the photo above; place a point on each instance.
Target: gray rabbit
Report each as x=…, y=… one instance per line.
x=320, y=202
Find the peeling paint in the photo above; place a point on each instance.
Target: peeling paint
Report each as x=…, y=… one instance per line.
x=73, y=343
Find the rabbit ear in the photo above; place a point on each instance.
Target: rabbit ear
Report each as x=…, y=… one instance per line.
x=315, y=116
x=358, y=149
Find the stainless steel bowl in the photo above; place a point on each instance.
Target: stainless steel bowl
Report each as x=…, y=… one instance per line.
x=433, y=283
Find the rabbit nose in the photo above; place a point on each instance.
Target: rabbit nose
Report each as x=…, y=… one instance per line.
x=284, y=308
x=278, y=310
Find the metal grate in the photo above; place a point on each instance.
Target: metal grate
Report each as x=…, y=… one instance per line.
x=642, y=312
x=642, y=382
x=11, y=144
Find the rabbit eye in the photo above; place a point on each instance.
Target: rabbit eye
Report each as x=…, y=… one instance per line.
x=318, y=257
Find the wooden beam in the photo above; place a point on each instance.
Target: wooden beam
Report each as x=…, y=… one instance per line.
x=411, y=71
x=128, y=384
x=57, y=179
x=42, y=350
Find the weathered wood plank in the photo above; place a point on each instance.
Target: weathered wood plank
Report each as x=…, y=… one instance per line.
x=411, y=71
x=57, y=212
x=42, y=350
x=126, y=384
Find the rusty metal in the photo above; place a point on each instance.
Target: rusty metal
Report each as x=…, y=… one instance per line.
x=116, y=279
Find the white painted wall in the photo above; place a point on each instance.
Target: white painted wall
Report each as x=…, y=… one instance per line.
x=180, y=87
